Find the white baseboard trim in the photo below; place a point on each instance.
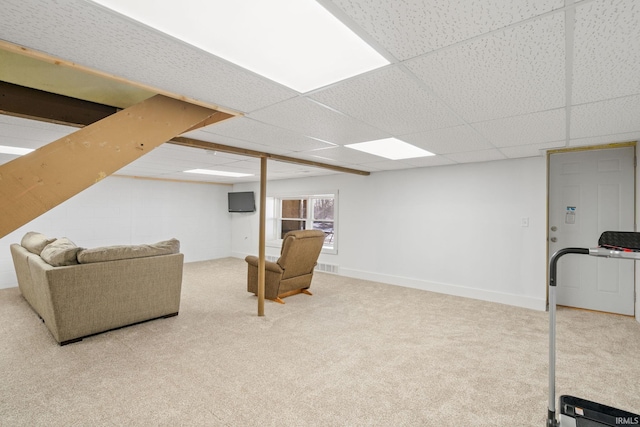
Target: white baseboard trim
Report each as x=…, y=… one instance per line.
x=448, y=289
x=441, y=288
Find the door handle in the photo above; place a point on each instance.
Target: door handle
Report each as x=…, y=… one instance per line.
x=554, y=239
x=554, y=228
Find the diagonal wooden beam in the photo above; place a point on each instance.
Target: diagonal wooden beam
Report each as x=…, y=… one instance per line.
x=32, y=184
x=38, y=105
x=215, y=118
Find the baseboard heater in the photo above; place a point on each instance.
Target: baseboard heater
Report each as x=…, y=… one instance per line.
x=323, y=267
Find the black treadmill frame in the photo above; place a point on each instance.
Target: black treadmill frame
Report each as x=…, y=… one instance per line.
x=595, y=412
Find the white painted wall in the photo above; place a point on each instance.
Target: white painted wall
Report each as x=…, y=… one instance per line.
x=453, y=229
x=119, y=211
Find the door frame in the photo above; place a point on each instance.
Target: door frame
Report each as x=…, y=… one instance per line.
x=635, y=206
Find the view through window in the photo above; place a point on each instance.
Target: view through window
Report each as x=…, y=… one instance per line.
x=308, y=212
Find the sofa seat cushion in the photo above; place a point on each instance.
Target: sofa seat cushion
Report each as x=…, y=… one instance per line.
x=60, y=252
x=35, y=242
x=114, y=253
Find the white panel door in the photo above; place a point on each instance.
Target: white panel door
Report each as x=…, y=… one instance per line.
x=591, y=192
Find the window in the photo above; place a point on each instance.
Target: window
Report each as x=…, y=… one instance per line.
x=304, y=212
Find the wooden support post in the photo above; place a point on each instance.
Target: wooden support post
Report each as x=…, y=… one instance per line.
x=262, y=239
x=32, y=184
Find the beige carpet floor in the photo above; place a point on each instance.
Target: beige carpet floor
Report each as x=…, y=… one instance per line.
x=356, y=353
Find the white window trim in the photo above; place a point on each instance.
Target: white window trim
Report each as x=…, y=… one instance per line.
x=273, y=217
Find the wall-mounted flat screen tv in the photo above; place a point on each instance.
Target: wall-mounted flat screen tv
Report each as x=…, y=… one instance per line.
x=242, y=201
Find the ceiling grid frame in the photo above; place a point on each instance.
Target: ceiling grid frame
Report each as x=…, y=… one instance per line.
x=594, y=101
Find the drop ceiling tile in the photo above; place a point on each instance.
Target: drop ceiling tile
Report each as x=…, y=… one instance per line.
x=451, y=140
x=606, y=139
x=295, y=171
x=150, y=161
x=606, y=117
x=412, y=27
x=311, y=119
x=26, y=133
x=28, y=123
x=428, y=161
x=162, y=165
x=516, y=71
x=275, y=167
x=476, y=156
x=208, y=179
x=167, y=162
x=172, y=151
x=6, y=158
x=389, y=99
x=31, y=137
x=507, y=84
x=531, y=150
x=206, y=136
x=526, y=129
x=214, y=158
x=386, y=165
x=96, y=37
x=607, y=50
x=173, y=158
x=169, y=153
x=142, y=169
x=342, y=155
x=13, y=141
x=249, y=130
x=247, y=165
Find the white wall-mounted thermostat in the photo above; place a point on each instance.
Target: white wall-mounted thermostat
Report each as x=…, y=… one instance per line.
x=570, y=215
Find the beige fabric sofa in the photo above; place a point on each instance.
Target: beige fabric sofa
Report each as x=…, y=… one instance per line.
x=88, y=291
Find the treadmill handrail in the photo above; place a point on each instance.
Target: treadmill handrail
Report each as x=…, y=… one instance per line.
x=555, y=257
x=599, y=252
x=551, y=413
x=614, y=253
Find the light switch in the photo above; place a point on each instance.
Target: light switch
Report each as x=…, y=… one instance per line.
x=524, y=222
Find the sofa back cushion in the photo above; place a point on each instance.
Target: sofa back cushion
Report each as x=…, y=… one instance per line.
x=60, y=252
x=35, y=242
x=114, y=253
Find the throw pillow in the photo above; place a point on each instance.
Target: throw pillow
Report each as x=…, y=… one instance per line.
x=61, y=252
x=114, y=253
x=35, y=242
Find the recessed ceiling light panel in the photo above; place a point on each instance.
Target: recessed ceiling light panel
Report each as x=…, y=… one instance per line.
x=391, y=148
x=297, y=43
